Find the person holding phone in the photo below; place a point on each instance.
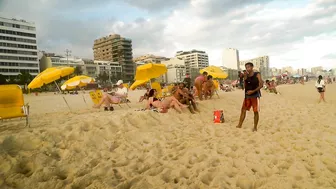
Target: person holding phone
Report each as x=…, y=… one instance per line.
x=253, y=84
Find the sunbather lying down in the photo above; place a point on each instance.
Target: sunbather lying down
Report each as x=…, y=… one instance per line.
x=165, y=104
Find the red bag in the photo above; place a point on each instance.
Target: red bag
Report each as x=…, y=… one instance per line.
x=219, y=116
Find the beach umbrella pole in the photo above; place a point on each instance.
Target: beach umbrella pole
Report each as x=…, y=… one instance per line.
x=58, y=87
x=66, y=103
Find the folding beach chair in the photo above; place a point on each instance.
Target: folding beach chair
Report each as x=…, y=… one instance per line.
x=12, y=103
x=216, y=85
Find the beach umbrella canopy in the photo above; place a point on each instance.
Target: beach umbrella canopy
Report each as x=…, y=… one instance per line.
x=77, y=81
x=50, y=75
x=138, y=83
x=296, y=76
x=150, y=71
x=215, y=72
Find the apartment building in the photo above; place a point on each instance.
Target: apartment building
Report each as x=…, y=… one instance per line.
x=49, y=60
x=89, y=67
x=18, y=47
x=193, y=59
x=261, y=64
x=230, y=58
x=150, y=58
x=176, y=70
x=316, y=70
x=115, y=48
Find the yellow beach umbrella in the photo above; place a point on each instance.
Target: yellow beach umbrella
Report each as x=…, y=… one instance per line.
x=215, y=72
x=150, y=71
x=50, y=75
x=138, y=83
x=77, y=81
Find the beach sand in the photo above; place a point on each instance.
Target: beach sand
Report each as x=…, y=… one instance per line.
x=295, y=146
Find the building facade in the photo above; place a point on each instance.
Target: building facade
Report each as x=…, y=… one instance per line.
x=316, y=70
x=193, y=59
x=230, y=58
x=18, y=47
x=149, y=58
x=115, y=48
x=176, y=70
x=49, y=60
x=261, y=64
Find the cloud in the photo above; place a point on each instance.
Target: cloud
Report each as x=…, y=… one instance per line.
x=300, y=35
x=156, y=5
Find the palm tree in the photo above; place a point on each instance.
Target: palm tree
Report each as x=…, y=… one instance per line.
x=24, y=78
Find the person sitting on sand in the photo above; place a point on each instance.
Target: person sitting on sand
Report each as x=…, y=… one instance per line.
x=208, y=87
x=165, y=104
x=145, y=96
x=321, y=88
x=182, y=94
x=199, y=84
x=114, y=97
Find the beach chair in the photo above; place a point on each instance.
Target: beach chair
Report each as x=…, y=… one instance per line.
x=216, y=85
x=97, y=95
x=12, y=103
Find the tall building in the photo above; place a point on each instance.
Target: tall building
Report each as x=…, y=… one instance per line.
x=260, y=63
x=316, y=70
x=176, y=70
x=115, y=48
x=302, y=71
x=18, y=48
x=289, y=70
x=194, y=60
x=230, y=58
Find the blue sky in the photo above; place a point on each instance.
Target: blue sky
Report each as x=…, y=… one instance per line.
x=297, y=33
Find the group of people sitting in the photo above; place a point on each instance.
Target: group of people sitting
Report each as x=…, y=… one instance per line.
x=182, y=97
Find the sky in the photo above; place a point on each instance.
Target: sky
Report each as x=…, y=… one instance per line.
x=297, y=33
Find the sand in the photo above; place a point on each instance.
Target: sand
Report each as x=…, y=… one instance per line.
x=295, y=146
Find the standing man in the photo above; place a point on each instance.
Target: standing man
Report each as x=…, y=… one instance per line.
x=241, y=79
x=253, y=84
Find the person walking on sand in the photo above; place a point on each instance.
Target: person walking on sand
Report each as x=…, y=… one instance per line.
x=253, y=84
x=321, y=87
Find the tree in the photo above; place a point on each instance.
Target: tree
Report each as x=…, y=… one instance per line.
x=24, y=78
x=2, y=79
x=103, y=77
x=78, y=70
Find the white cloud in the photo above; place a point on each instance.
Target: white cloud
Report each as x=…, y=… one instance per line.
x=299, y=36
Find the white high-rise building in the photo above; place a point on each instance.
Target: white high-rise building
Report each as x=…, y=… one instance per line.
x=230, y=58
x=193, y=59
x=176, y=70
x=18, y=47
x=261, y=64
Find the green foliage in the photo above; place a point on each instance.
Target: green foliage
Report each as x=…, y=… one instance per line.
x=24, y=78
x=78, y=70
x=2, y=79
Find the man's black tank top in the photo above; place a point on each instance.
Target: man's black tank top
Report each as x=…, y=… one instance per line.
x=252, y=83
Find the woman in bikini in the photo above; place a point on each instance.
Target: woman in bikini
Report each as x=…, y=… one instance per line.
x=199, y=84
x=168, y=102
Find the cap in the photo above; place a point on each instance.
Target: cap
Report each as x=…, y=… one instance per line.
x=119, y=82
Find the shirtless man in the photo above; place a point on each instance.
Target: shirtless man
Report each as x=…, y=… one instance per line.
x=253, y=84
x=208, y=87
x=182, y=94
x=199, y=84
